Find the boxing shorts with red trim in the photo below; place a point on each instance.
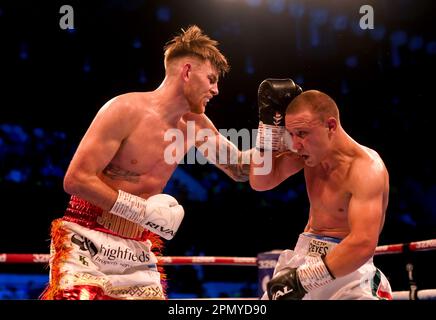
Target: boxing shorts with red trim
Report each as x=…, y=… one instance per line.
x=95, y=255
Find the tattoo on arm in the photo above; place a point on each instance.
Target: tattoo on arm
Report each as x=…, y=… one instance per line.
x=238, y=172
x=115, y=172
x=231, y=161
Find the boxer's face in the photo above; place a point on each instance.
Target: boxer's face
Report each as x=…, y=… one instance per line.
x=202, y=86
x=309, y=136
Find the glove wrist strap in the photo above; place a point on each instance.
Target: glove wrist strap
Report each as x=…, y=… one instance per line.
x=314, y=273
x=129, y=206
x=269, y=137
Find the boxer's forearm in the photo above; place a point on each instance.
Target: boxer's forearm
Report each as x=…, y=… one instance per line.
x=227, y=157
x=238, y=172
x=349, y=255
x=261, y=179
x=90, y=188
x=268, y=169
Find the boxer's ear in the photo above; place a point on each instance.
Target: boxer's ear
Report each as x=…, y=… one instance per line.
x=186, y=71
x=331, y=124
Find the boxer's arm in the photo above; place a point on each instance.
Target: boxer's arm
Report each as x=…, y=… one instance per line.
x=112, y=124
x=283, y=165
x=219, y=150
x=232, y=161
x=273, y=160
x=365, y=218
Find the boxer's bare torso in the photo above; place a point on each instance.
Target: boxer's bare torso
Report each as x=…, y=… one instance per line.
x=330, y=190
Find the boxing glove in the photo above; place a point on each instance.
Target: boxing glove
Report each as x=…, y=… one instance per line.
x=274, y=96
x=294, y=283
x=161, y=213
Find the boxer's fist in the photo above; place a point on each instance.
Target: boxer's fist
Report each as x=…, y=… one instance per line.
x=274, y=96
x=161, y=213
x=294, y=283
x=285, y=286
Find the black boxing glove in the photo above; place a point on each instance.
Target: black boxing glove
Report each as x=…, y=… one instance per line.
x=274, y=96
x=294, y=283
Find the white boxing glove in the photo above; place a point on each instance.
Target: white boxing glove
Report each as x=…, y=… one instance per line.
x=161, y=213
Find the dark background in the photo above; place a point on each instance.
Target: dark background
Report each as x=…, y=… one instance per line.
x=53, y=81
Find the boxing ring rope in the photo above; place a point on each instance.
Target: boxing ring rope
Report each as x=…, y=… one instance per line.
x=425, y=245
x=175, y=260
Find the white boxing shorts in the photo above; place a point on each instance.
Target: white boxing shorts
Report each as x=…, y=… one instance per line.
x=90, y=264
x=366, y=283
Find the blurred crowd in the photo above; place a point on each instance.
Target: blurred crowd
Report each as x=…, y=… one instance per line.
x=54, y=81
